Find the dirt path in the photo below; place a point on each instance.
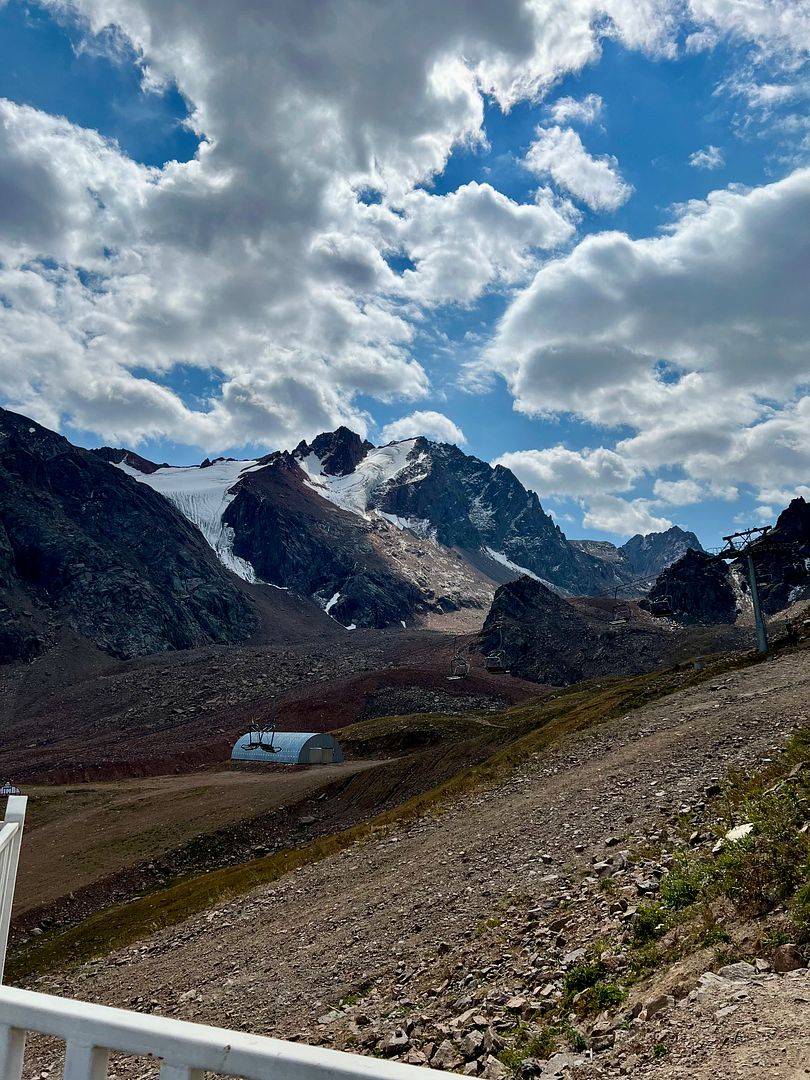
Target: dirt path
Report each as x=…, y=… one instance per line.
x=76, y=834
x=275, y=961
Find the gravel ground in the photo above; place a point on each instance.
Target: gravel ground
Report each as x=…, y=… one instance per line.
x=408, y=905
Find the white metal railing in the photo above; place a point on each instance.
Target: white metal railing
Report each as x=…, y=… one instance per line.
x=186, y=1051
x=10, y=840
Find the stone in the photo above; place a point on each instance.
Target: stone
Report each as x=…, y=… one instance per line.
x=739, y=832
x=515, y=1004
x=446, y=1057
x=331, y=1017
x=472, y=1045
x=493, y=1069
x=787, y=958
x=396, y=1043
x=739, y=971
x=728, y=1010
x=603, y=1042
x=657, y=1005
x=415, y=1057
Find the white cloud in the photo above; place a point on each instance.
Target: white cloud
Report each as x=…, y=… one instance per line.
x=558, y=152
x=257, y=262
x=678, y=492
x=721, y=298
x=474, y=237
x=569, y=110
x=560, y=471
x=611, y=514
x=433, y=425
x=710, y=157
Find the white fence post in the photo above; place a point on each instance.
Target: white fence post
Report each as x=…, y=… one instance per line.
x=10, y=841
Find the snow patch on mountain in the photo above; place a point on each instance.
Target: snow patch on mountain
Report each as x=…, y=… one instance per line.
x=355, y=491
x=499, y=557
x=421, y=527
x=202, y=496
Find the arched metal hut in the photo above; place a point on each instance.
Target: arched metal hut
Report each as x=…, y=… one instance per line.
x=289, y=748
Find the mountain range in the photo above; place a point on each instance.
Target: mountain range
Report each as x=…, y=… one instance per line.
x=142, y=557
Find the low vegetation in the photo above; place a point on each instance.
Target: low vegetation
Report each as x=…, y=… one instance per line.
x=527, y=729
x=760, y=881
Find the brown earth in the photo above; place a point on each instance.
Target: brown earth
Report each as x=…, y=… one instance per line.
x=176, y=711
x=399, y=921
x=76, y=835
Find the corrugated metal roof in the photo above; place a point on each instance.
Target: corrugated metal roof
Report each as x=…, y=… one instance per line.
x=289, y=744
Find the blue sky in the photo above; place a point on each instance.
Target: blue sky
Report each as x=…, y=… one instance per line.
x=226, y=236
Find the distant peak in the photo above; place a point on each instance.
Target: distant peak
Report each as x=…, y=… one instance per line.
x=339, y=451
x=120, y=456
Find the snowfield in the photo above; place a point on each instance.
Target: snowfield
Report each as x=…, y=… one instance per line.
x=355, y=491
x=202, y=496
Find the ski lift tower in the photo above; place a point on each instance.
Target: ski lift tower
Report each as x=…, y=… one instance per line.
x=743, y=547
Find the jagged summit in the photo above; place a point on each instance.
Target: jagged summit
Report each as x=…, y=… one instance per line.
x=338, y=452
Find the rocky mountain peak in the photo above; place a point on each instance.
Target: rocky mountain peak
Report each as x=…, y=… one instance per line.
x=339, y=451
x=649, y=555
x=117, y=455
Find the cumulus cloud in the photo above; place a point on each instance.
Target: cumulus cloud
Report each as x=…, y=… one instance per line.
x=560, y=471
x=626, y=517
x=433, y=425
x=678, y=492
x=257, y=261
x=569, y=110
x=558, y=153
x=721, y=298
x=710, y=157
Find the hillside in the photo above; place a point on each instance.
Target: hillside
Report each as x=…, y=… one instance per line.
x=85, y=550
x=465, y=956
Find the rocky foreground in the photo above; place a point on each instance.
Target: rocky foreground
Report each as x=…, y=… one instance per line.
x=458, y=939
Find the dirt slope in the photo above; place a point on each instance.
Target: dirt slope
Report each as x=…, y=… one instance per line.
x=400, y=919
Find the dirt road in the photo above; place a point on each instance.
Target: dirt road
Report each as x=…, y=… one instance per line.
x=407, y=908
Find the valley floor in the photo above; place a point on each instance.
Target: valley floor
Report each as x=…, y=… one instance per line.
x=452, y=911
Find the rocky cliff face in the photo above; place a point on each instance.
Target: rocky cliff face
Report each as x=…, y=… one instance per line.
x=648, y=556
x=783, y=559
x=84, y=546
x=548, y=639
x=472, y=505
x=293, y=539
x=697, y=588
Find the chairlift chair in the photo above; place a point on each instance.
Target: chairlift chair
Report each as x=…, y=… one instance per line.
x=660, y=606
x=621, y=615
x=495, y=662
x=261, y=740
x=459, y=667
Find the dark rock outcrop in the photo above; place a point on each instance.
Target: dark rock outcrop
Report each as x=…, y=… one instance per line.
x=782, y=560
x=102, y=554
x=548, y=639
x=118, y=455
x=697, y=588
x=340, y=451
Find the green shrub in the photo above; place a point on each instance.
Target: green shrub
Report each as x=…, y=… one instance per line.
x=583, y=976
x=650, y=923
x=685, y=882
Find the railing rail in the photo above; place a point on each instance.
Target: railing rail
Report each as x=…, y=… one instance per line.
x=186, y=1051
x=10, y=841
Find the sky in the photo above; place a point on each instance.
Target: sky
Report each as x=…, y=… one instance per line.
x=571, y=237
